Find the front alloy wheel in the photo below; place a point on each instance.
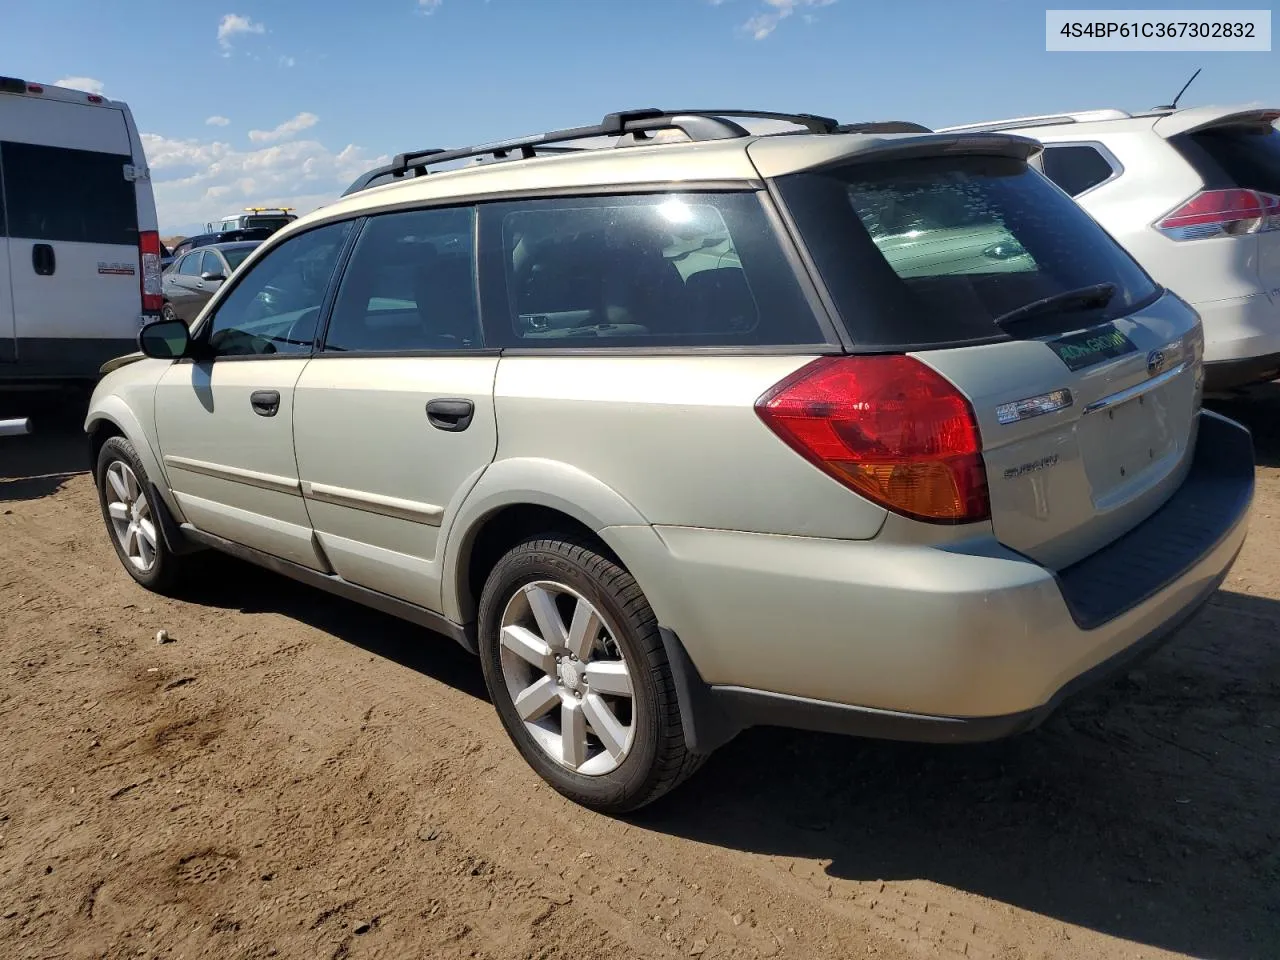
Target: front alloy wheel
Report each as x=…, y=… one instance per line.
x=128, y=507
x=130, y=516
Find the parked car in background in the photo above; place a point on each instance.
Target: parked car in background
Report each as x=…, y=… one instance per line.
x=253, y=218
x=199, y=274
x=230, y=236
x=79, y=249
x=684, y=438
x=1194, y=195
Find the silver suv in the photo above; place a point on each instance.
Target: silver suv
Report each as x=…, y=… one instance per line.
x=872, y=432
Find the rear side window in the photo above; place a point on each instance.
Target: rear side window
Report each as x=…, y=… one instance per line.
x=1237, y=156
x=211, y=263
x=930, y=252
x=409, y=285
x=190, y=265
x=1076, y=168
x=660, y=270
x=79, y=196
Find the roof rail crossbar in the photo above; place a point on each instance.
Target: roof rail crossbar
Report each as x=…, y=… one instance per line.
x=882, y=126
x=695, y=126
x=810, y=121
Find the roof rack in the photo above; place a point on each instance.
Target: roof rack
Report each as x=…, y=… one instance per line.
x=1043, y=120
x=639, y=125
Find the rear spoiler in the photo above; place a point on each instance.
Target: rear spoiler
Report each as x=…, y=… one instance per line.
x=776, y=156
x=1202, y=118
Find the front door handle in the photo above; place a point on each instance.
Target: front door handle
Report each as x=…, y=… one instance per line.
x=265, y=403
x=43, y=262
x=451, y=416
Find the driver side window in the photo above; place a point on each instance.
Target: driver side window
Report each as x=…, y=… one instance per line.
x=274, y=308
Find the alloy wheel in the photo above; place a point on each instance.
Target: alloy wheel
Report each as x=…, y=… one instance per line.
x=568, y=678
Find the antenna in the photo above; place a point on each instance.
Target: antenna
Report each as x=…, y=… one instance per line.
x=1174, y=105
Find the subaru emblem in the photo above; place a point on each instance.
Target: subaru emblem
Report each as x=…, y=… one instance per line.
x=1155, y=362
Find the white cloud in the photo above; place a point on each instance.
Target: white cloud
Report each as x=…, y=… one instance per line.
x=196, y=181
x=233, y=25
x=428, y=7
x=765, y=22
x=285, y=130
x=217, y=121
x=87, y=84
x=288, y=62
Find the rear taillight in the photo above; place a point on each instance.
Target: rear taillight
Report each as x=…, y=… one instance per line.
x=1222, y=213
x=888, y=427
x=152, y=293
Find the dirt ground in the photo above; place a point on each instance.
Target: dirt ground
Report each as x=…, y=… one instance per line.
x=295, y=776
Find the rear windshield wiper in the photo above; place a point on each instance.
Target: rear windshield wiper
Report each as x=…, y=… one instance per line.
x=1095, y=295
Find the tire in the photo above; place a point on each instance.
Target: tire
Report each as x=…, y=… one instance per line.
x=168, y=313
x=655, y=759
x=146, y=558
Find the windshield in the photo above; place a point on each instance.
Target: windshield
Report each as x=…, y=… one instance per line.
x=235, y=255
x=925, y=252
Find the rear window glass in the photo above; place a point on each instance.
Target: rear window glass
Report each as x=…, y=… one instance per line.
x=925, y=252
x=52, y=193
x=664, y=270
x=1237, y=156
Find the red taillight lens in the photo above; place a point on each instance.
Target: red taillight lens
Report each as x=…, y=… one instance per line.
x=888, y=427
x=1222, y=213
x=149, y=251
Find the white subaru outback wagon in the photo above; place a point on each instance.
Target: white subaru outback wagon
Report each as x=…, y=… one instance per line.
x=858, y=429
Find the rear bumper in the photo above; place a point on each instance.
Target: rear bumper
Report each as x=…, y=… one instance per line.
x=969, y=642
x=1223, y=375
x=1242, y=340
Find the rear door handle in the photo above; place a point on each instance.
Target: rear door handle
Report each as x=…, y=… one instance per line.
x=451, y=416
x=43, y=261
x=265, y=403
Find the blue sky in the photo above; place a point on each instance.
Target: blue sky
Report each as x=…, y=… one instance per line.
x=312, y=93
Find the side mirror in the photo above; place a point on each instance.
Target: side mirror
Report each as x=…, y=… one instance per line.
x=211, y=277
x=165, y=340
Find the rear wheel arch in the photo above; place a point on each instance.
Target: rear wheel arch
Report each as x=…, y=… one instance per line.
x=541, y=495
x=495, y=533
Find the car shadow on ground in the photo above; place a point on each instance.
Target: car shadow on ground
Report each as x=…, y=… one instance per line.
x=1258, y=408
x=39, y=463
x=1144, y=810
x=228, y=583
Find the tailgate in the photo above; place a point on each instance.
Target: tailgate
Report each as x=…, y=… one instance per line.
x=1077, y=457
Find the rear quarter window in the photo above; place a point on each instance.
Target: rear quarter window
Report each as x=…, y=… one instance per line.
x=1076, y=168
x=80, y=196
x=931, y=251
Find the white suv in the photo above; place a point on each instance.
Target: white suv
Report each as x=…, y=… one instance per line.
x=1194, y=195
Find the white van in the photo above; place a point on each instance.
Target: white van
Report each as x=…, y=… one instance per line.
x=79, y=246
